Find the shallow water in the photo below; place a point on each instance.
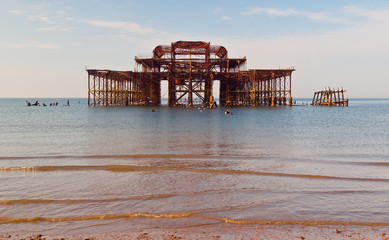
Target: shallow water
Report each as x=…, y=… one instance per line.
x=79, y=168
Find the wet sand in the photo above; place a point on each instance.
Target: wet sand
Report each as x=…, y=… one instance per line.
x=228, y=231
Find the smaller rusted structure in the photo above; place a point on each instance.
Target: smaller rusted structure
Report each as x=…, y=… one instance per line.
x=330, y=97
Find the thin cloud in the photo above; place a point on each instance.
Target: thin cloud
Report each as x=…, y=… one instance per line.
x=124, y=37
x=275, y=12
x=367, y=13
x=226, y=18
x=33, y=17
x=270, y=11
x=16, y=12
x=31, y=45
x=43, y=19
x=42, y=13
x=217, y=10
x=56, y=29
x=124, y=26
x=39, y=6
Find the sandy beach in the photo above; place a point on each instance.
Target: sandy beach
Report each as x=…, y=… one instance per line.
x=228, y=231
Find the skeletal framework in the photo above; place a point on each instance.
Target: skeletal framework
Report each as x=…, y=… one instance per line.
x=190, y=67
x=330, y=97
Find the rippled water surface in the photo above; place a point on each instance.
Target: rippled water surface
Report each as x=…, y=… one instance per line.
x=79, y=168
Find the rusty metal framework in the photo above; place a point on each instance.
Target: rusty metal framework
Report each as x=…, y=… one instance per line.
x=330, y=97
x=190, y=67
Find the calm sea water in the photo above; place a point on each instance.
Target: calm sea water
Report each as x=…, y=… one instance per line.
x=93, y=169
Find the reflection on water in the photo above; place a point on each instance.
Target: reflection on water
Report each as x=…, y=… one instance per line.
x=72, y=168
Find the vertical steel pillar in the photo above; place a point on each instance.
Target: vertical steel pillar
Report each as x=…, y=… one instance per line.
x=88, y=89
x=273, y=90
x=290, y=89
x=252, y=88
x=190, y=97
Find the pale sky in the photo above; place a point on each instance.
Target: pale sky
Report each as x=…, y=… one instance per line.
x=46, y=45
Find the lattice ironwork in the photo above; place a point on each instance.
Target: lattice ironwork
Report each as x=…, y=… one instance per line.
x=330, y=97
x=190, y=67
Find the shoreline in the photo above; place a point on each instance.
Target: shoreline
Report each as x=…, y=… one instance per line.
x=226, y=231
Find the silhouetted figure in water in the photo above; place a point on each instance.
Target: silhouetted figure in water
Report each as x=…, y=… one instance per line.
x=33, y=104
x=44, y=104
x=68, y=103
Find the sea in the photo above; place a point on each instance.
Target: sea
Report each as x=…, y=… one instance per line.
x=94, y=169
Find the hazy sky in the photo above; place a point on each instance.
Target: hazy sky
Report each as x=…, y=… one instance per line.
x=46, y=45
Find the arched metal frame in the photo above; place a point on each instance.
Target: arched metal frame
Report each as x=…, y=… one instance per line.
x=190, y=67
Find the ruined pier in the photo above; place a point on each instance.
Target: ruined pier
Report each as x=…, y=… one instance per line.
x=330, y=97
x=190, y=68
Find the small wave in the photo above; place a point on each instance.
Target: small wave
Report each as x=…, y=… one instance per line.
x=305, y=223
x=34, y=157
x=339, y=192
x=375, y=163
x=4, y=220
x=18, y=169
x=113, y=156
x=136, y=156
x=132, y=168
x=185, y=156
x=78, y=201
x=358, y=156
x=112, y=168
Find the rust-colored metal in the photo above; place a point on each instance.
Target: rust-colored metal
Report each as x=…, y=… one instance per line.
x=190, y=67
x=330, y=97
